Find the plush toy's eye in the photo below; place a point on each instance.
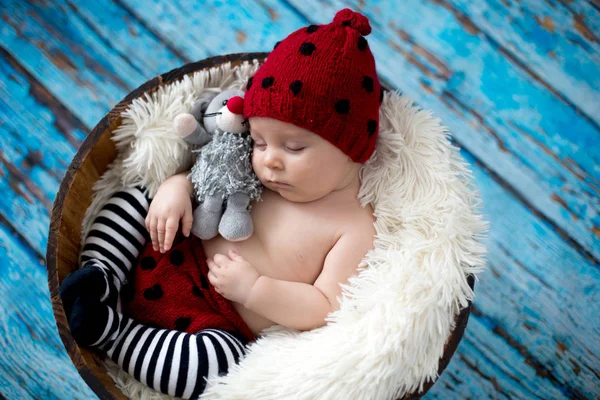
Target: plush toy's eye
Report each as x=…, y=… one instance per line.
x=224, y=102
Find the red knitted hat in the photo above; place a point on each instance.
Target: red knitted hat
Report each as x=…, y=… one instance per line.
x=323, y=78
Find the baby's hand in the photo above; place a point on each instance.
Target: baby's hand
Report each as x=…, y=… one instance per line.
x=171, y=204
x=233, y=277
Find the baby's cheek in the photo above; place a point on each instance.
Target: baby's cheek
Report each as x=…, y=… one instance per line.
x=254, y=159
x=256, y=166
x=305, y=172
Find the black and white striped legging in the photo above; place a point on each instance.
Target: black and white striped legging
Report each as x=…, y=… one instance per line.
x=172, y=362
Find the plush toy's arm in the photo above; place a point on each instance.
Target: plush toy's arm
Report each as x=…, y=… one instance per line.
x=192, y=132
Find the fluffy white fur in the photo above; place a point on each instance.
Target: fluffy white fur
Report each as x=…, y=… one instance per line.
x=396, y=314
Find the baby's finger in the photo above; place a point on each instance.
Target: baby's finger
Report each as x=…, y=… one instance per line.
x=212, y=278
x=235, y=256
x=211, y=265
x=220, y=259
x=161, y=233
x=153, y=234
x=170, y=232
x=187, y=220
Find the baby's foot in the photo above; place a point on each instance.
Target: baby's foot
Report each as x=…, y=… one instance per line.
x=90, y=282
x=92, y=323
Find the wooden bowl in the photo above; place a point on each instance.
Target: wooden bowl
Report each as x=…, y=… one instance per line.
x=75, y=196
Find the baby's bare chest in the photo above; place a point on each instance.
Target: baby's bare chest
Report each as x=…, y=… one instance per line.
x=290, y=240
x=296, y=236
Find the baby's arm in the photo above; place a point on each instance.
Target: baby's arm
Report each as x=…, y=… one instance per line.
x=171, y=203
x=303, y=306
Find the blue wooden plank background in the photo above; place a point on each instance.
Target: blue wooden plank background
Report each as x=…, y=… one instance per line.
x=518, y=83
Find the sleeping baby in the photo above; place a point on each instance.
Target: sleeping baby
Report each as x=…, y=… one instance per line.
x=313, y=112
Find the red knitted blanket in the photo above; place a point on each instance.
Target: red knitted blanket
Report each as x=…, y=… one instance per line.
x=172, y=291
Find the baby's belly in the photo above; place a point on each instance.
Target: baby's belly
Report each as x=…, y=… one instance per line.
x=275, y=260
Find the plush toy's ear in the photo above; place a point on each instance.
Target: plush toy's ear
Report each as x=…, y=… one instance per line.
x=190, y=127
x=200, y=105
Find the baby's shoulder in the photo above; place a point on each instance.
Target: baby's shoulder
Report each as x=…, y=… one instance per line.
x=359, y=222
x=354, y=238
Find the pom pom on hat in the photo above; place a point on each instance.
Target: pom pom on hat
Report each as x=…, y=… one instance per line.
x=355, y=20
x=323, y=78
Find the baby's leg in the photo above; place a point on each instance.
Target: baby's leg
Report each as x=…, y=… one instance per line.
x=172, y=362
x=110, y=250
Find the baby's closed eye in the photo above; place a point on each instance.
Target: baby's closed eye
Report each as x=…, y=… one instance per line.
x=259, y=145
x=294, y=149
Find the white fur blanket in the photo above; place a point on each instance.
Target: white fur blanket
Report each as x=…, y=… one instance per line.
x=396, y=314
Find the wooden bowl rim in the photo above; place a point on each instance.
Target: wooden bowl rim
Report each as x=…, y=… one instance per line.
x=83, y=152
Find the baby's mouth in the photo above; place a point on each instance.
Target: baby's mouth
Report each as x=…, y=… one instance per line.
x=276, y=183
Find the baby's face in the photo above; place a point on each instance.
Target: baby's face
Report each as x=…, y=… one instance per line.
x=298, y=164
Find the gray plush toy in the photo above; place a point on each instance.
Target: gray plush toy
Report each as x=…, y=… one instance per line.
x=222, y=173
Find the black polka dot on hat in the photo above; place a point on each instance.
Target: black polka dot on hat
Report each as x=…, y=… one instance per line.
x=268, y=82
x=276, y=44
x=362, y=43
x=176, y=257
x=197, y=292
x=371, y=127
x=296, y=86
x=249, y=84
x=342, y=106
x=153, y=293
x=380, y=95
x=307, y=48
x=312, y=28
x=367, y=83
x=148, y=263
x=182, y=323
x=204, y=281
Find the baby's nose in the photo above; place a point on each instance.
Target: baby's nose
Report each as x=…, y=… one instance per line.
x=271, y=161
x=236, y=105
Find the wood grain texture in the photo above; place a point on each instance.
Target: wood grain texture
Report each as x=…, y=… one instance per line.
x=84, y=70
x=135, y=42
x=38, y=138
x=485, y=68
x=556, y=40
x=529, y=299
x=33, y=362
